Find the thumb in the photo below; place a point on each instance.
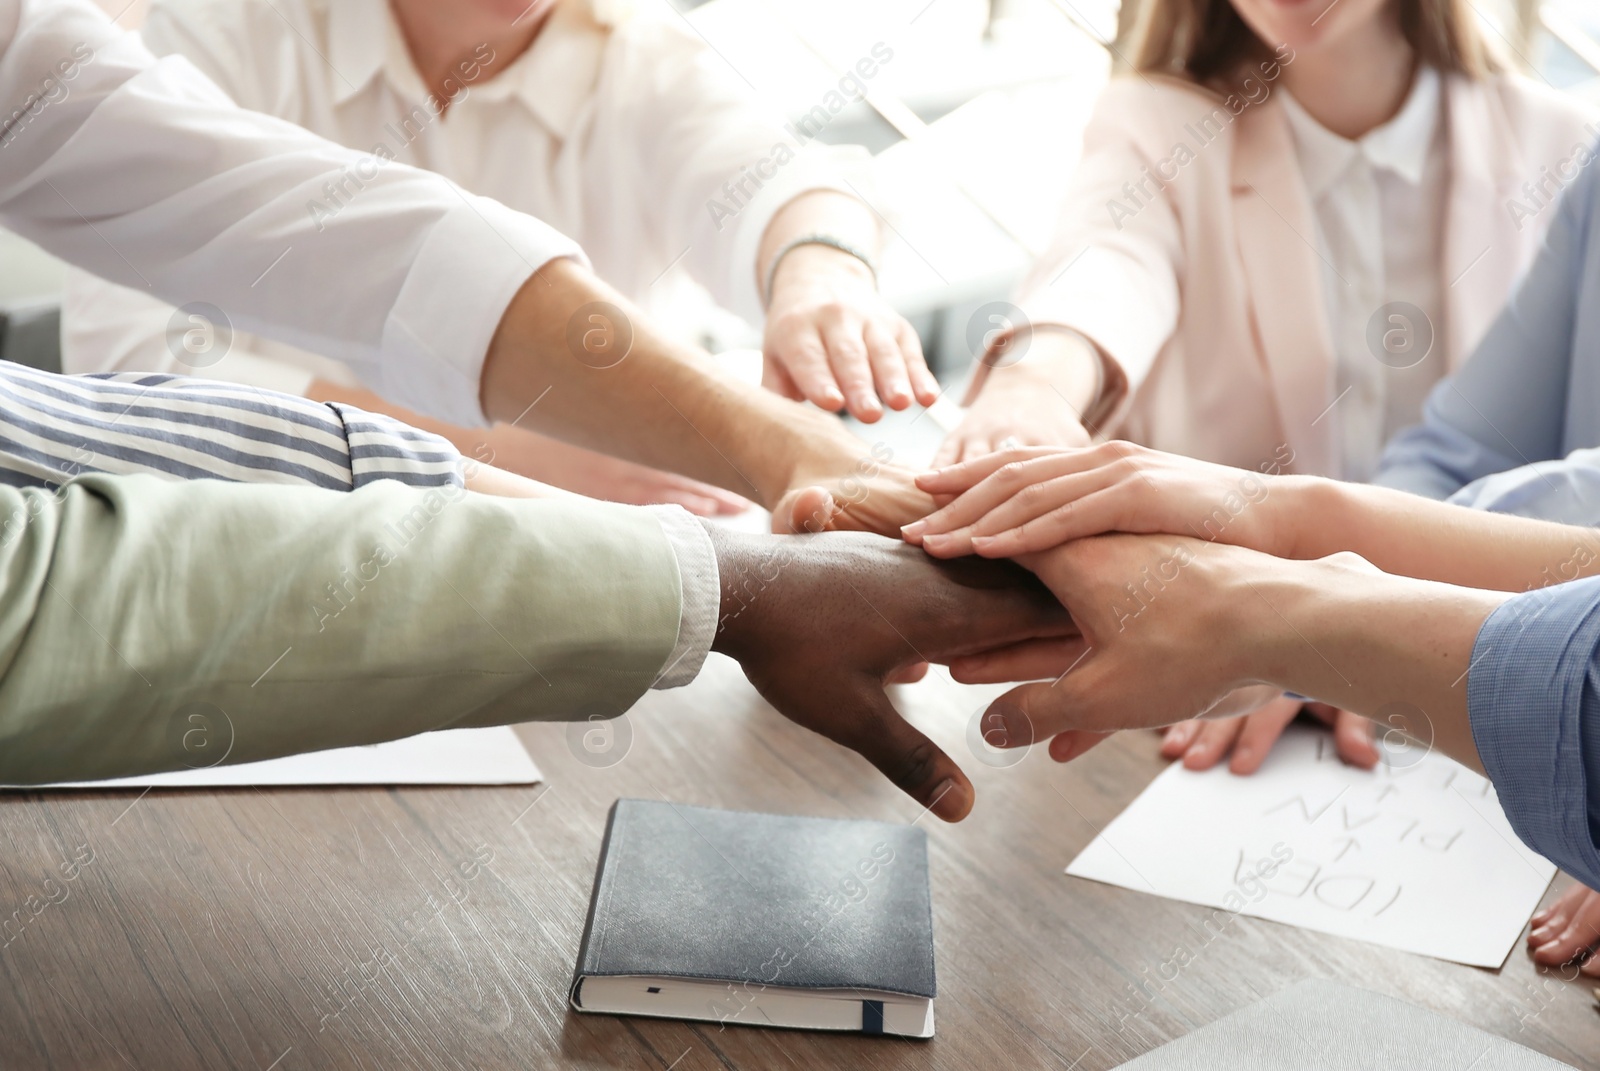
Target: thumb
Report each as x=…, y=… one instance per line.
x=805, y=509
x=1035, y=711
x=906, y=756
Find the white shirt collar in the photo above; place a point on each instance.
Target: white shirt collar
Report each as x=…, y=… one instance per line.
x=1401, y=145
x=553, y=78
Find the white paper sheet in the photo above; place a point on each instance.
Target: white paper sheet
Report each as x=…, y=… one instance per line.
x=493, y=756
x=1416, y=856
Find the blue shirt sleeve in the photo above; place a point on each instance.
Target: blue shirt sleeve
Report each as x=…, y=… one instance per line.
x=1533, y=697
x=1507, y=405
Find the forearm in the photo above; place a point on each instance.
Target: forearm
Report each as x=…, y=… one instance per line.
x=477, y=445
x=660, y=405
x=299, y=619
x=1392, y=648
x=1411, y=536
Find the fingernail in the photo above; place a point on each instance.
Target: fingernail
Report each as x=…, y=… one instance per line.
x=1194, y=751
x=915, y=528
x=1548, y=946
x=950, y=800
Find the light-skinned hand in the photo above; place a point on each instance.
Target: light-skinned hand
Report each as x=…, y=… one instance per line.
x=831, y=339
x=1026, y=500
x=1246, y=741
x=1568, y=931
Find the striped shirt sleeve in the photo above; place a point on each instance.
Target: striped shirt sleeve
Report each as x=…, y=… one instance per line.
x=55, y=427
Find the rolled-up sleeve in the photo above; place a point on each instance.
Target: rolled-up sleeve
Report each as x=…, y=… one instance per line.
x=1533, y=696
x=54, y=428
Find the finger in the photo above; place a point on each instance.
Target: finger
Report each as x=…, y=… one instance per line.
x=949, y=451
x=1045, y=708
x=909, y=759
x=965, y=475
x=1216, y=737
x=978, y=444
x=698, y=505
x=1259, y=732
x=1064, y=747
x=923, y=383
x=776, y=378
x=804, y=356
x=888, y=366
x=847, y=355
x=807, y=509
x=1548, y=924
x=1175, y=739
x=1563, y=907
x=1030, y=660
x=1580, y=935
x=666, y=485
x=1352, y=737
x=1052, y=495
x=910, y=674
x=1041, y=516
x=1009, y=473
x=1094, y=514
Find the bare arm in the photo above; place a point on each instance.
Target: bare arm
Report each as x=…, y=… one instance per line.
x=616, y=384
x=1026, y=501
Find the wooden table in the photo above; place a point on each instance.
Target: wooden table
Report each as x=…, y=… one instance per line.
x=390, y=929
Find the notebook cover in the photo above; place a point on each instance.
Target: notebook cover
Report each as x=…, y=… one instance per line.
x=1320, y=1023
x=781, y=900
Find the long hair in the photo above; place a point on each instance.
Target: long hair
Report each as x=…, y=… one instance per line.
x=1206, y=40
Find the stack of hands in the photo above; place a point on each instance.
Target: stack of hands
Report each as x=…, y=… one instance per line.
x=1165, y=591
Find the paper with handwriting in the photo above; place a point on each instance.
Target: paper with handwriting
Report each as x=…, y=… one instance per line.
x=1416, y=854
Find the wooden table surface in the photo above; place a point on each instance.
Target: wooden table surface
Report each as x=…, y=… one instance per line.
x=434, y=927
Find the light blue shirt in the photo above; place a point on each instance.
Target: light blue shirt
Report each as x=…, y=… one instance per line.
x=1517, y=430
x=1533, y=697
x=1530, y=393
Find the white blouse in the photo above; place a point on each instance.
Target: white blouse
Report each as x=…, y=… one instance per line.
x=1379, y=204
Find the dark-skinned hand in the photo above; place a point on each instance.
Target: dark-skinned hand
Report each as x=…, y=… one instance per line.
x=821, y=623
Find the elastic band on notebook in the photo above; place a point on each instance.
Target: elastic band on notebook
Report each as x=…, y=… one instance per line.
x=872, y=1016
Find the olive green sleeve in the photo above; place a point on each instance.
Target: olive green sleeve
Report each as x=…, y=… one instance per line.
x=149, y=625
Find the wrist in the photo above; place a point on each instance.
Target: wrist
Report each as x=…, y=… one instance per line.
x=736, y=553
x=809, y=265
x=1311, y=516
x=1059, y=364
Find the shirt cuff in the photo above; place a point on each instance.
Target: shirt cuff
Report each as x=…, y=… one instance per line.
x=702, y=595
x=472, y=264
x=1532, y=709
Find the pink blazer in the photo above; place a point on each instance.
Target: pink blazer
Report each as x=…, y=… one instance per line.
x=1208, y=295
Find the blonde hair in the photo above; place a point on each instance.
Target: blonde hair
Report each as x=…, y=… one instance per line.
x=1206, y=40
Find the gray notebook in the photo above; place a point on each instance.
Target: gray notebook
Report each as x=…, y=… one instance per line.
x=761, y=919
x=1319, y=1024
